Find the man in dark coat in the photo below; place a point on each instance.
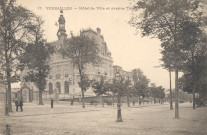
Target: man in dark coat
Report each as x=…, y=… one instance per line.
x=51, y=103
x=21, y=104
x=17, y=105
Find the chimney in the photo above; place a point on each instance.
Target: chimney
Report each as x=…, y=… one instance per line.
x=98, y=31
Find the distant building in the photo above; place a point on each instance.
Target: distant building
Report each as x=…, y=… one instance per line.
x=64, y=77
x=127, y=75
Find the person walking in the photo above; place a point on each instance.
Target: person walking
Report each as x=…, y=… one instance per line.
x=16, y=104
x=21, y=104
x=51, y=103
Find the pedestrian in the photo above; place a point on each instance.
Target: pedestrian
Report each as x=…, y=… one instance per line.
x=72, y=101
x=21, y=104
x=16, y=104
x=51, y=103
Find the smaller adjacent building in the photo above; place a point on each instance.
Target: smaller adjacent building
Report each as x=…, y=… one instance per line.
x=126, y=74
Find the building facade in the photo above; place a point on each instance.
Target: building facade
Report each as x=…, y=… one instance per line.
x=64, y=77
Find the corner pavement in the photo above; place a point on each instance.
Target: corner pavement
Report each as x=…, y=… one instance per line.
x=63, y=119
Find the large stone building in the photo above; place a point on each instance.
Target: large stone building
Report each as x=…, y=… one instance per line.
x=63, y=77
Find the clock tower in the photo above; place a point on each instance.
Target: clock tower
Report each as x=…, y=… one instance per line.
x=61, y=31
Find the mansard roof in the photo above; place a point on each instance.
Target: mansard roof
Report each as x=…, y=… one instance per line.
x=89, y=30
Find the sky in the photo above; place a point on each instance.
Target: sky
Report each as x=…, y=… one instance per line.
x=129, y=50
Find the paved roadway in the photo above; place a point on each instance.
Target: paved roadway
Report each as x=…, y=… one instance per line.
x=63, y=119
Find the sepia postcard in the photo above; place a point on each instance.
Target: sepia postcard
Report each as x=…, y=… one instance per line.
x=102, y=67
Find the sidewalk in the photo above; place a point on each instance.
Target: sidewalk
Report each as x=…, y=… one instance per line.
x=61, y=107
x=32, y=109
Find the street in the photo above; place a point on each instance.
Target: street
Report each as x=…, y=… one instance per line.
x=63, y=119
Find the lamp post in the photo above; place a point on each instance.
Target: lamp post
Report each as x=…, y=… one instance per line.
x=119, y=117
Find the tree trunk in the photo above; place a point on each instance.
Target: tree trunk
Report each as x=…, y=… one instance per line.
x=119, y=117
x=138, y=99
x=176, y=95
x=128, y=104
x=194, y=87
x=102, y=101
x=40, y=97
x=8, y=76
x=83, y=102
x=193, y=100
x=6, y=103
x=8, y=72
x=9, y=98
x=194, y=80
x=171, y=104
x=82, y=90
x=40, y=87
x=112, y=97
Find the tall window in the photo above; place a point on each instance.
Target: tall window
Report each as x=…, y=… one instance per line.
x=58, y=87
x=50, y=88
x=66, y=87
x=57, y=69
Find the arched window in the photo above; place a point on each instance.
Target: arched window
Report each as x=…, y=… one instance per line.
x=50, y=88
x=66, y=87
x=58, y=87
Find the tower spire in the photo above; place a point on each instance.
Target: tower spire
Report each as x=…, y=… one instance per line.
x=61, y=30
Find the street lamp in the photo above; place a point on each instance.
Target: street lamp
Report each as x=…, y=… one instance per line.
x=119, y=117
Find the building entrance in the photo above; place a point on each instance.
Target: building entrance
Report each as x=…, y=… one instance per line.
x=26, y=94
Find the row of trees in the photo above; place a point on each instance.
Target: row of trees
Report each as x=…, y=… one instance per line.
x=199, y=85
x=120, y=86
x=179, y=24
x=183, y=96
